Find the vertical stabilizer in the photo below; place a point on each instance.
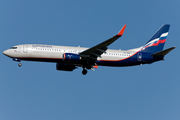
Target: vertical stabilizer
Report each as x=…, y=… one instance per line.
x=156, y=43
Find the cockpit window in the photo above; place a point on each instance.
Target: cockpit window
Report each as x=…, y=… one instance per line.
x=13, y=48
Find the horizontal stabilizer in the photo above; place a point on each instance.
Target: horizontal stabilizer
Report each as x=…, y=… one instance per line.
x=163, y=52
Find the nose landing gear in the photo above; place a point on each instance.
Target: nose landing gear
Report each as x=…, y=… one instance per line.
x=18, y=60
x=20, y=64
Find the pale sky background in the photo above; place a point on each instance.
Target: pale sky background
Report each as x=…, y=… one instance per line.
x=37, y=91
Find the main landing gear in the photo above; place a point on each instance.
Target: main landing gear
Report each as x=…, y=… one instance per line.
x=87, y=67
x=84, y=72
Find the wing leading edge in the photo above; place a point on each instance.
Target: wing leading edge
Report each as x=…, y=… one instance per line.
x=101, y=48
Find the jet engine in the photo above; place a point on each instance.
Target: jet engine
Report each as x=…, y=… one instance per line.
x=65, y=67
x=71, y=57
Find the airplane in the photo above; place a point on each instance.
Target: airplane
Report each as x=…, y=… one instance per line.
x=69, y=58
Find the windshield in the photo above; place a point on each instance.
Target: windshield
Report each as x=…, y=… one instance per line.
x=13, y=48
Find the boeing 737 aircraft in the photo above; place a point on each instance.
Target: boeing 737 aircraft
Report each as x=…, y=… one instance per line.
x=69, y=58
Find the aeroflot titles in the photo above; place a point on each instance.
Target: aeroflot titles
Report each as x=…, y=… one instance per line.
x=49, y=46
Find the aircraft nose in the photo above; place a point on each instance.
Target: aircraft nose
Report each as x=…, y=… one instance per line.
x=5, y=52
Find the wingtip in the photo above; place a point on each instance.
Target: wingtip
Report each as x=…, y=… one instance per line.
x=121, y=31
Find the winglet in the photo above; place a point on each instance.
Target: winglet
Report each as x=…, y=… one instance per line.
x=121, y=31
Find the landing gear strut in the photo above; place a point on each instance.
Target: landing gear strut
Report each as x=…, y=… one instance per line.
x=86, y=66
x=84, y=72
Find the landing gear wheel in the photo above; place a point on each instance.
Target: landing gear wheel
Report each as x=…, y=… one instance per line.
x=84, y=72
x=19, y=64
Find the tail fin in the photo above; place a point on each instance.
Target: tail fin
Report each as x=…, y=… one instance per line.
x=156, y=43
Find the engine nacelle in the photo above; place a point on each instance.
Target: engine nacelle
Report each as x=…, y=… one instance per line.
x=71, y=57
x=65, y=67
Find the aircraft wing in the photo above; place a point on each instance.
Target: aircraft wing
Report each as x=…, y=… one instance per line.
x=101, y=48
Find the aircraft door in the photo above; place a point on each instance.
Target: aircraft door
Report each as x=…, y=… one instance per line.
x=139, y=56
x=25, y=48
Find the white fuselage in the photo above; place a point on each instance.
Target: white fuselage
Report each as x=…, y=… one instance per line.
x=52, y=53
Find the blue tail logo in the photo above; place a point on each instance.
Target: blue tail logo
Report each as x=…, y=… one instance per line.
x=156, y=43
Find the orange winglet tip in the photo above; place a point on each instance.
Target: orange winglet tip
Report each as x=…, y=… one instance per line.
x=95, y=66
x=121, y=31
